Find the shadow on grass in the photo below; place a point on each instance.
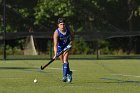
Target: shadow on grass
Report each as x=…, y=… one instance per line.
x=27, y=69
x=112, y=80
x=15, y=68
x=105, y=57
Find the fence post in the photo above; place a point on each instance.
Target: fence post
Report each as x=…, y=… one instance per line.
x=4, y=28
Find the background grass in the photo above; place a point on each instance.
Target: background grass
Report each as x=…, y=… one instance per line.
x=89, y=76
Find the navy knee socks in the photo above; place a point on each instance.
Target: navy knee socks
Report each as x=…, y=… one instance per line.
x=66, y=69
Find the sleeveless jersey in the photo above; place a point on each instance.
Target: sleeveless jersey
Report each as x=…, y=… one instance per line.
x=63, y=39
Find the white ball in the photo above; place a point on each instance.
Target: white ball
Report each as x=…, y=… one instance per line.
x=35, y=80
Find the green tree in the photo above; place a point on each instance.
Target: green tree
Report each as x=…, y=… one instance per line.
x=48, y=11
x=81, y=15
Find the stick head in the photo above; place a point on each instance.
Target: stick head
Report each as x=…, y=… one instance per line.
x=41, y=68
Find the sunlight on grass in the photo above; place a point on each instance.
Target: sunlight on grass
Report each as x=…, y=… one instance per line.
x=89, y=76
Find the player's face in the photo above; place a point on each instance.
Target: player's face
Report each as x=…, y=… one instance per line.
x=61, y=26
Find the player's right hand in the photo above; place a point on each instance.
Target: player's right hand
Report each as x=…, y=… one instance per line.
x=54, y=57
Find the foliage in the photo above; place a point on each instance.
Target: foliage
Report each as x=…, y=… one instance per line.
x=83, y=15
x=80, y=47
x=91, y=14
x=51, y=9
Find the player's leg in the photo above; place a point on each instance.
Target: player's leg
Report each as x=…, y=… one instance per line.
x=65, y=58
x=67, y=68
x=67, y=74
x=61, y=58
x=64, y=79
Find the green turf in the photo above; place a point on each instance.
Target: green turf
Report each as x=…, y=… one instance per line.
x=89, y=76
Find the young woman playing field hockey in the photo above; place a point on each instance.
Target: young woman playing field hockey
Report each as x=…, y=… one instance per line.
x=63, y=37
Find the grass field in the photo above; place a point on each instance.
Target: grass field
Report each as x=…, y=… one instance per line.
x=89, y=76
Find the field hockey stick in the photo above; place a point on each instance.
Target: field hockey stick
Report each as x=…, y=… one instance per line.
x=66, y=49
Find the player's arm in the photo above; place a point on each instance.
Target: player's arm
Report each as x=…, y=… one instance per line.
x=55, y=40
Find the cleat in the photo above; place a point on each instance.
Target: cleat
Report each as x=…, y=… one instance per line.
x=64, y=79
x=69, y=77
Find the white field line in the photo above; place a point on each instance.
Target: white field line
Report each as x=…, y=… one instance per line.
x=126, y=75
x=58, y=68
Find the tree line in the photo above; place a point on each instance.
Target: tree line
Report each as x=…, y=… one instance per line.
x=81, y=15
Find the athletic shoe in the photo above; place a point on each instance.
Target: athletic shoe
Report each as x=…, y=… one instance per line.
x=69, y=77
x=64, y=79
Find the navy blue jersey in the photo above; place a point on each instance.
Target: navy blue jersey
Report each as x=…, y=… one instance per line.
x=63, y=39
